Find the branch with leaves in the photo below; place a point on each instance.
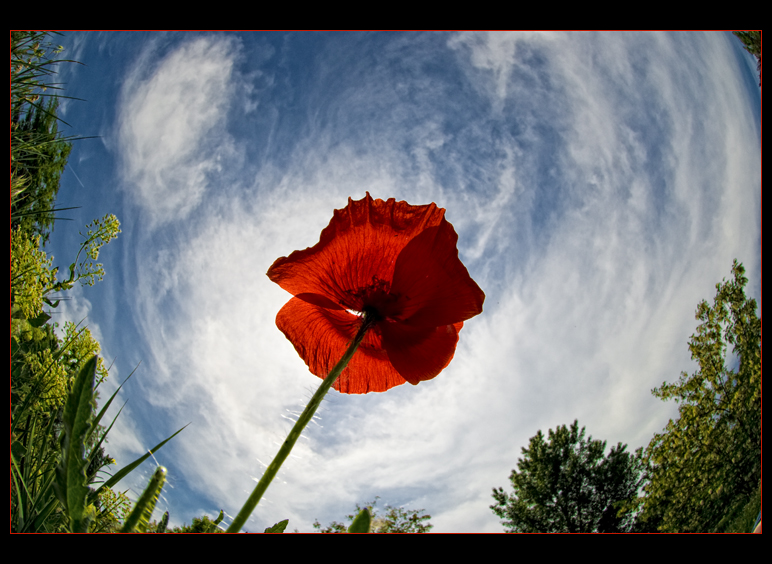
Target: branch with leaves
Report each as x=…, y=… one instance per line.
x=706, y=464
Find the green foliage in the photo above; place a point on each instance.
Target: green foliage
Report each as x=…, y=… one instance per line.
x=361, y=523
x=707, y=463
x=34, y=456
x=32, y=68
x=38, y=157
x=43, y=362
x=279, y=527
x=35, y=368
x=33, y=279
x=56, y=461
x=752, y=42
x=113, y=509
x=55, y=455
x=31, y=274
x=43, y=369
x=88, y=271
x=70, y=485
x=40, y=360
x=38, y=151
x=57, y=452
x=566, y=485
x=744, y=519
x=36, y=167
x=40, y=382
x=204, y=524
x=392, y=520
x=138, y=520
x=161, y=527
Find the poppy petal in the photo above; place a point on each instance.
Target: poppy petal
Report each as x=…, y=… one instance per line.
x=419, y=354
x=433, y=286
x=320, y=336
x=357, y=249
x=319, y=301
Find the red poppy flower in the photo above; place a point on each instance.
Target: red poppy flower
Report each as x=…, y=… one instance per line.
x=396, y=262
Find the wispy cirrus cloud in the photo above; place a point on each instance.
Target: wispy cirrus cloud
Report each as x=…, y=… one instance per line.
x=172, y=125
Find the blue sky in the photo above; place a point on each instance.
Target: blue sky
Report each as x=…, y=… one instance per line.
x=600, y=183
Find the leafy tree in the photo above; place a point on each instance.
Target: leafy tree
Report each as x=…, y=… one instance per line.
x=391, y=520
x=566, y=485
x=706, y=465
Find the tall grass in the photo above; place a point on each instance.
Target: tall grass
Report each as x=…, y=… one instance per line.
x=59, y=481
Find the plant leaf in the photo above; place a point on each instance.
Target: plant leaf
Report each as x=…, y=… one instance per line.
x=70, y=485
x=361, y=523
x=120, y=474
x=278, y=527
x=213, y=525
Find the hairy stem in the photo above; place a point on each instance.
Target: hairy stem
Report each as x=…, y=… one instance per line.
x=297, y=429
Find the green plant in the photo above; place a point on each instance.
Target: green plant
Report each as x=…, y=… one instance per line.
x=707, y=462
x=58, y=462
x=33, y=280
x=38, y=150
x=567, y=484
x=367, y=519
x=55, y=481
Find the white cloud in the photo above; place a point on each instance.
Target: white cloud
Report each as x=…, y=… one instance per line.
x=172, y=126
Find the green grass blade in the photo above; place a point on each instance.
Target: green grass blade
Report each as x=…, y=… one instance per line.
x=94, y=451
x=48, y=509
x=118, y=476
x=102, y=411
x=21, y=494
x=70, y=484
x=95, y=426
x=139, y=518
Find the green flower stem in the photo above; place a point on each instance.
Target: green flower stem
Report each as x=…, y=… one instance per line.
x=301, y=423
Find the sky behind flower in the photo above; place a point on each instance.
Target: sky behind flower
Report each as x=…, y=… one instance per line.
x=600, y=183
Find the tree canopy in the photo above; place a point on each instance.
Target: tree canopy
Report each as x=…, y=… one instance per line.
x=707, y=464
x=566, y=485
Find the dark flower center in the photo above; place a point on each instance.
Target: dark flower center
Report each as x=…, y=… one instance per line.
x=374, y=300
x=372, y=313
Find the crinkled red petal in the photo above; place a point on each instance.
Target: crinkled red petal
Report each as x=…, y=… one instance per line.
x=320, y=336
x=359, y=246
x=419, y=354
x=433, y=286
